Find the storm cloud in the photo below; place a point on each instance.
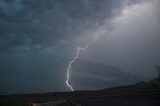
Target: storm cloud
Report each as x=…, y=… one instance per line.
x=38, y=38
x=134, y=42
x=39, y=24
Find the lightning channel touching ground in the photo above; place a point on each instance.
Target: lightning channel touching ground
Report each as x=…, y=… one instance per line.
x=79, y=49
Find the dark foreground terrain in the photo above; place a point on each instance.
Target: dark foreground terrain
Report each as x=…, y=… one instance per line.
x=140, y=94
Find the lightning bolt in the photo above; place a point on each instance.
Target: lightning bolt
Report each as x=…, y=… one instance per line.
x=70, y=65
x=79, y=49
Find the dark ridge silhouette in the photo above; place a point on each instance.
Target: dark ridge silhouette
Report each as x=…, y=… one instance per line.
x=142, y=93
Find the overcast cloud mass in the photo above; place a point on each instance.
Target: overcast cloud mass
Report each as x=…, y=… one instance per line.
x=39, y=37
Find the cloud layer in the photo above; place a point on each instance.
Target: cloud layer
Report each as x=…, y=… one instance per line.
x=44, y=23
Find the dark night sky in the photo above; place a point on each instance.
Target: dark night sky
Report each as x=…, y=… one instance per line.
x=39, y=37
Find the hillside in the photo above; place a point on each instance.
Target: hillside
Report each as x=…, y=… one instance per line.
x=146, y=94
